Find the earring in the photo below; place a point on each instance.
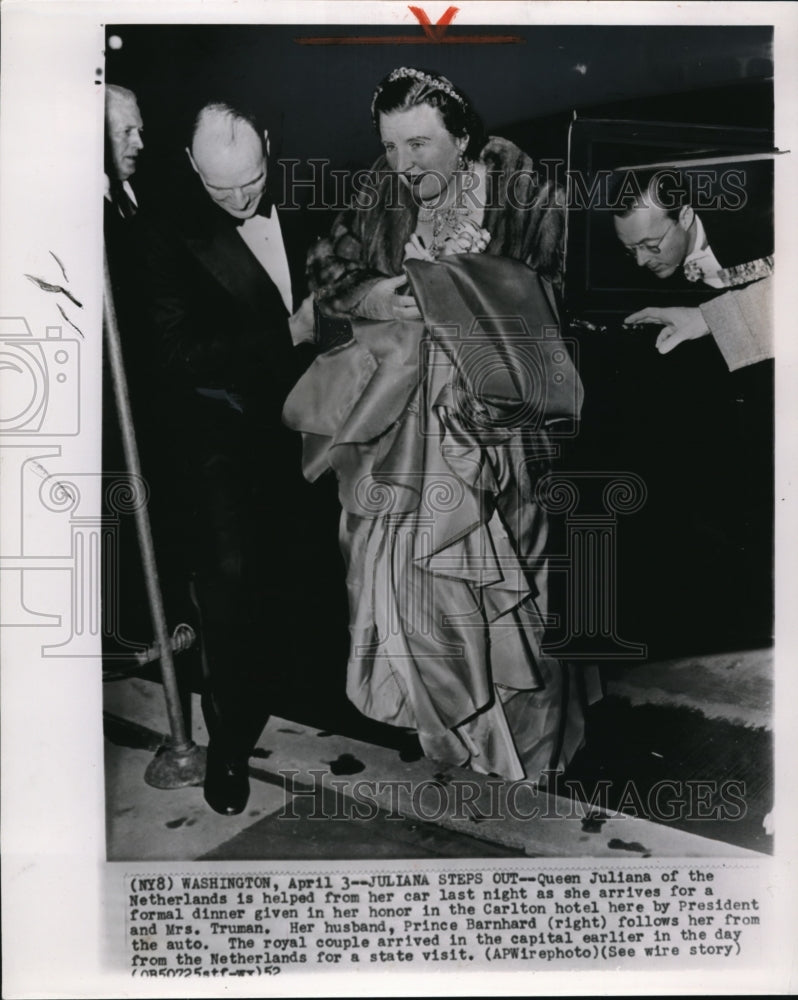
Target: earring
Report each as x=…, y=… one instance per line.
x=461, y=163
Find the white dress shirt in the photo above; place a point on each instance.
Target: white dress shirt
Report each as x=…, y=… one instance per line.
x=264, y=237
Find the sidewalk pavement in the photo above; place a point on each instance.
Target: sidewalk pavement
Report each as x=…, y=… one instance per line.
x=317, y=794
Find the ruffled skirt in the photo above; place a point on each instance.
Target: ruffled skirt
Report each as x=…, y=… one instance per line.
x=444, y=540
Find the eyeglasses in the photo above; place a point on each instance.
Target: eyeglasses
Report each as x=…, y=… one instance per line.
x=650, y=246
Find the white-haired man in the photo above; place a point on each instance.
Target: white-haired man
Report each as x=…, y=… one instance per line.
x=124, y=143
x=121, y=230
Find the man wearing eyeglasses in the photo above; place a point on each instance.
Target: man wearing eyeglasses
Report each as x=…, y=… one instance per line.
x=706, y=442
x=728, y=249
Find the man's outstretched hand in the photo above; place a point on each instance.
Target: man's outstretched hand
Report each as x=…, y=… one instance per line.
x=679, y=323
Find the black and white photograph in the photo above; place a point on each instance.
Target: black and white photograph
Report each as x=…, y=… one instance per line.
x=533, y=543
x=397, y=501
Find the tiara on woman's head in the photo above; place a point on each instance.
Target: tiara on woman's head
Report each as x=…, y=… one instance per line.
x=408, y=72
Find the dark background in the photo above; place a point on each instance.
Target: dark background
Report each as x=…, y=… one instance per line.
x=318, y=96
x=694, y=569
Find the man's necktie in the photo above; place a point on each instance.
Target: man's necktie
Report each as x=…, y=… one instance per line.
x=122, y=201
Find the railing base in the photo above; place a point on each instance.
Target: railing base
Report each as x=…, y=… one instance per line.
x=173, y=768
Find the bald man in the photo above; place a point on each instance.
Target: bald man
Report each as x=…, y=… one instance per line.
x=221, y=292
x=229, y=156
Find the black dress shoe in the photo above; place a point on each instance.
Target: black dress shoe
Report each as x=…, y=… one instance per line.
x=226, y=782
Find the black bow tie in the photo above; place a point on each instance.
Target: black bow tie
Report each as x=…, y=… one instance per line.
x=264, y=209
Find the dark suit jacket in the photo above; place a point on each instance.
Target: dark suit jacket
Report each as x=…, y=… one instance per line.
x=228, y=484
x=217, y=317
x=123, y=251
x=217, y=322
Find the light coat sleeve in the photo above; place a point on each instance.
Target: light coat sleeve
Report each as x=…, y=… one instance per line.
x=741, y=321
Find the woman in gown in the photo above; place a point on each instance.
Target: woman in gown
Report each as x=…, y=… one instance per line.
x=436, y=417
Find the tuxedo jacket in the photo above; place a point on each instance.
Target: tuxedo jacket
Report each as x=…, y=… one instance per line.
x=226, y=472
x=218, y=321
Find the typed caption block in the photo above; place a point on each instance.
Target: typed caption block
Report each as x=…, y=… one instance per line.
x=256, y=924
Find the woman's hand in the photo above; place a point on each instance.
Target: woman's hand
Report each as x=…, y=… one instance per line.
x=382, y=302
x=466, y=237
x=415, y=249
